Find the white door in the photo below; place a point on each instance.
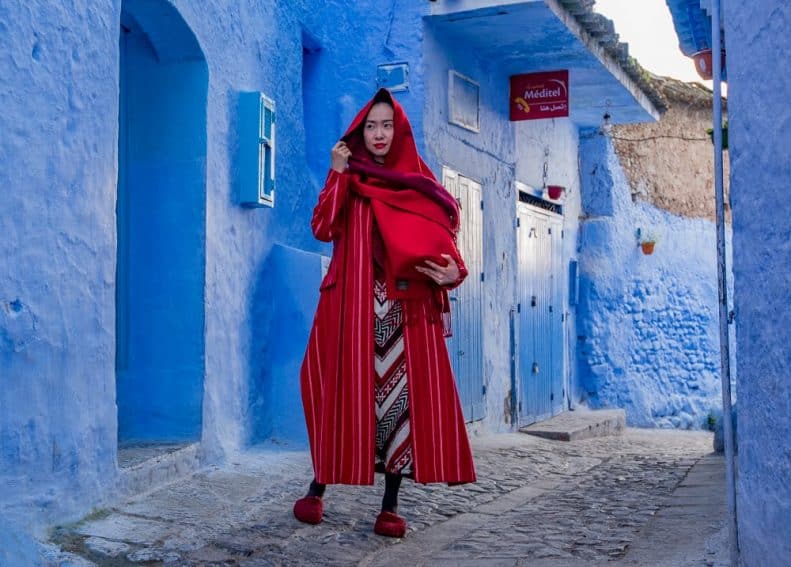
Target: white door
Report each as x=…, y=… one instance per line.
x=466, y=345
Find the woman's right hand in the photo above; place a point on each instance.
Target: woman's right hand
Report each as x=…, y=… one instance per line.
x=340, y=156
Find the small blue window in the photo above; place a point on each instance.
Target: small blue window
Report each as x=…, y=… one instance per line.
x=257, y=150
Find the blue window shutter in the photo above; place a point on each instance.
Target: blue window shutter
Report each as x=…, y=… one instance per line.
x=267, y=149
x=257, y=150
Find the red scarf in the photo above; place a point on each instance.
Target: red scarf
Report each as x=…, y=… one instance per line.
x=410, y=207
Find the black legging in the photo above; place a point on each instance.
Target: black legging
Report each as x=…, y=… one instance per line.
x=389, y=500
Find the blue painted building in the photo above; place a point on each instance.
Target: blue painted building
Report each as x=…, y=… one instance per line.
x=647, y=335
x=756, y=39
x=160, y=275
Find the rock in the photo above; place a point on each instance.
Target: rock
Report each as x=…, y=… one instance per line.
x=106, y=547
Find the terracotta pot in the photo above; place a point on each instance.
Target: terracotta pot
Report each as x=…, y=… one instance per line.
x=704, y=65
x=555, y=191
x=648, y=247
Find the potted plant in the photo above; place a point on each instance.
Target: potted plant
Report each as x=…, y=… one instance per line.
x=647, y=241
x=648, y=247
x=555, y=191
x=704, y=65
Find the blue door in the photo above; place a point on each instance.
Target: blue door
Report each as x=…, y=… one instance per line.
x=557, y=315
x=466, y=345
x=540, y=335
x=161, y=212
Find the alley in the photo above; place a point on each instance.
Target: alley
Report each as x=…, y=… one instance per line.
x=645, y=497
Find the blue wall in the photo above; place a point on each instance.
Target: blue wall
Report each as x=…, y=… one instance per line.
x=58, y=160
x=60, y=154
x=648, y=334
x=59, y=157
x=275, y=406
x=759, y=112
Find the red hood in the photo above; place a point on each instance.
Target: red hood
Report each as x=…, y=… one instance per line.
x=403, y=154
x=403, y=167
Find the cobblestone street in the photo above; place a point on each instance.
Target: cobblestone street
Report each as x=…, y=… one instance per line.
x=629, y=499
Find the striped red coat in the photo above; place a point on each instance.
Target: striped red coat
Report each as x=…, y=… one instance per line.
x=337, y=376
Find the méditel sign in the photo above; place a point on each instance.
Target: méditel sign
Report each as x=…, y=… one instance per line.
x=540, y=95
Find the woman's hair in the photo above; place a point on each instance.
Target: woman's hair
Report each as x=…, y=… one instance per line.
x=383, y=96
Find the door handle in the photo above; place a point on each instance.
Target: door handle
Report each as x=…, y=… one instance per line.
x=535, y=368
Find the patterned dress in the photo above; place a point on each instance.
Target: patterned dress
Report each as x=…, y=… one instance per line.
x=393, y=438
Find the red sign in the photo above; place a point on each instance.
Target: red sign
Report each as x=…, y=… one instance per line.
x=540, y=95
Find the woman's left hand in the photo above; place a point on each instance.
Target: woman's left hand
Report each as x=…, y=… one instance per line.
x=442, y=275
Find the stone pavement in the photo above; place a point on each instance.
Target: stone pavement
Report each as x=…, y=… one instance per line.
x=646, y=497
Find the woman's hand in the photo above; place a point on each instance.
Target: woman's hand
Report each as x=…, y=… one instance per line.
x=340, y=154
x=442, y=275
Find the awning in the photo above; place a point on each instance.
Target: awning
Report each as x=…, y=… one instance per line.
x=517, y=37
x=692, y=20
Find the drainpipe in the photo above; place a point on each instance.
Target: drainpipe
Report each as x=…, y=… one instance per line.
x=722, y=273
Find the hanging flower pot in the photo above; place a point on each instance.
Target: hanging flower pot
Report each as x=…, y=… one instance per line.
x=704, y=65
x=555, y=191
x=648, y=247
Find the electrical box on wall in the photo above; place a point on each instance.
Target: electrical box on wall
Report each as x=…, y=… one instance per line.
x=393, y=76
x=256, y=173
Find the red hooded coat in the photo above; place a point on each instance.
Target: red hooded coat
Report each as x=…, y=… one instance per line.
x=337, y=376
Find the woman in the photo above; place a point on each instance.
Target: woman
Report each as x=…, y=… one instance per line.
x=377, y=385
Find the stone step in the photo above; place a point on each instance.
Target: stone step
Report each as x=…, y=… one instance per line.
x=579, y=424
x=146, y=467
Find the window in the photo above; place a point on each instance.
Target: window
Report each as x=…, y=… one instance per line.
x=463, y=101
x=257, y=151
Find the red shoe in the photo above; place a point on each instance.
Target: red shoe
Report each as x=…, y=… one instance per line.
x=390, y=525
x=309, y=509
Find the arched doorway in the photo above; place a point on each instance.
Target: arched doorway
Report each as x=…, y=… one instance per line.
x=161, y=224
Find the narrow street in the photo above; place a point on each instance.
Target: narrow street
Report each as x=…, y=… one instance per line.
x=647, y=497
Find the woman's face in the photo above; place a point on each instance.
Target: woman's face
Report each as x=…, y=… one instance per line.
x=378, y=130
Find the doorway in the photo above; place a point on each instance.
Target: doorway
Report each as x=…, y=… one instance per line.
x=542, y=391
x=161, y=226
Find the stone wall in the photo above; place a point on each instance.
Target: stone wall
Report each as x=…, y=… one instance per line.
x=670, y=163
x=648, y=335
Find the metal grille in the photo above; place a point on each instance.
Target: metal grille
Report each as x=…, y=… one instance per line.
x=531, y=200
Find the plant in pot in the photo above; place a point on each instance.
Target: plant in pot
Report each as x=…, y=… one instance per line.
x=647, y=240
x=704, y=65
x=555, y=192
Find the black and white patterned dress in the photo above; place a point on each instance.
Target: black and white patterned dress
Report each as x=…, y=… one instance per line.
x=393, y=439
